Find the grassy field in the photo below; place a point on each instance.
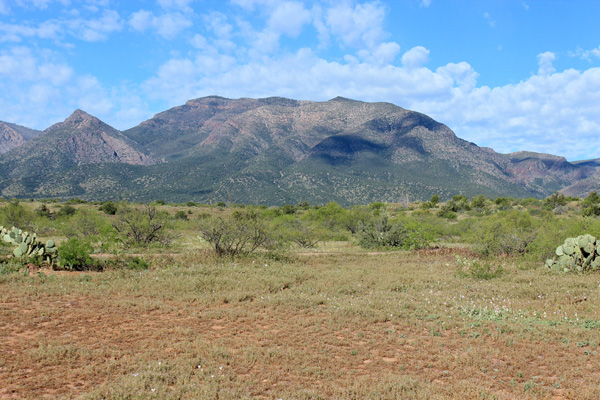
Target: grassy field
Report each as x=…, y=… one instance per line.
x=362, y=325
x=335, y=321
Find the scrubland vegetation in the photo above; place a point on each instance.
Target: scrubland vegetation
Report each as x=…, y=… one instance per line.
x=424, y=300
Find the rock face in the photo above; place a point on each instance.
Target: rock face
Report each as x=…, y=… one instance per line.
x=275, y=151
x=12, y=136
x=80, y=139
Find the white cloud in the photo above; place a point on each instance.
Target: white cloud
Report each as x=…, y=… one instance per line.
x=97, y=29
x=425, y=3
x=289, y=18
x=89, y=29
x=585, y=54
x=489, y=20
x=175, y=4
x=415, y=57
x=4, y=9
x=545, y=61
x=167, y=25
x=360, y=26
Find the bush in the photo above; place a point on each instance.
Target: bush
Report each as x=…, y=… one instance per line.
x=75, y=255
x=380, y=233
x=14, y=214
x=505, y=233
x=92, y=226
x=241, y=233
x=66, y=211
x=591, y=205
x=478, y=202
x=554, y=201
x=476, y=269
x=141, y=226
x=302, y=233
x=181, y=215
x=109, y=208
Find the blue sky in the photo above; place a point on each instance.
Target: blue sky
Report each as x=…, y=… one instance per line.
x=507, y=74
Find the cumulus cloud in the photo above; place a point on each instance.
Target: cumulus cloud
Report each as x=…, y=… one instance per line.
x=357, y=26
x=167, y=25
x=97, y=29
x=545, y=61
x=585, y=54
x=288, y=18
x=415, y=57
x=91, y=29
x=37, y=79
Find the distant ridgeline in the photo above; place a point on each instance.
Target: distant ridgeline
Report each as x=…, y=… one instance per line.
x=273, y=151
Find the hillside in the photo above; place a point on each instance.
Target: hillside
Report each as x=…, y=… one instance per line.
x=12, y=136
x=275, y=151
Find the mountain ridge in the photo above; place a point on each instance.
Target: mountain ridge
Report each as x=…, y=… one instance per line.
x=276, y=150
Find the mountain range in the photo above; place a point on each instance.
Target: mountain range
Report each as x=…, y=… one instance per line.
x=273, y=151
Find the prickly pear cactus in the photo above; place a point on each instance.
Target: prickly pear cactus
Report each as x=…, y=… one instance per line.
x=580, y=254
x=27, y=244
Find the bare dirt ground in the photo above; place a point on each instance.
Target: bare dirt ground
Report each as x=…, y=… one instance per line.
x=65, y=346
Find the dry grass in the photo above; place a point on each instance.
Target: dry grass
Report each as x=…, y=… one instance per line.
x=354, y=326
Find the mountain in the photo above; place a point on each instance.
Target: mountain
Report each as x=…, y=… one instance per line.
x=12, y=136
x=80, y=140
x=274, y=151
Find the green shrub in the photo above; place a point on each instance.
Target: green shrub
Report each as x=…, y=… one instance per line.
x=381, y=233
x=142, y=226
x=554, y=201
x=241, y=233
x=505, y=233
x=14, y=214
x=75, y=255
x=181, y=215
x=66, y=211
x=109, y=208
x=473, y=268
x=591, y=205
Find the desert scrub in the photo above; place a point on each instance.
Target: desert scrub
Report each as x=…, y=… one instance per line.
x=505, y=233
x=381, y=233
x=476, y=269
x=75, y=255
x=238, y=234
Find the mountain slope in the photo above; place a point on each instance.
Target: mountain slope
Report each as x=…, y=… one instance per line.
x=274, y=151
x=12, y=136
x=80, y=139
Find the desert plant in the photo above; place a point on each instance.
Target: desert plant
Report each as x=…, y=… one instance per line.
x=554, y=201
x=27, y=245
x=381, y=233
x=476, y=269
x=14, y=214
x=141, y=226
x=75, y=255
x=241, y=233
x=505, y=233
x=579, y=254
x=109, y=208
x=181, y=215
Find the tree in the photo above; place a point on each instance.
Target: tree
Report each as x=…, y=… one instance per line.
x=141, y=226
x=109, y=208
x=241, y=233
x=591, y=205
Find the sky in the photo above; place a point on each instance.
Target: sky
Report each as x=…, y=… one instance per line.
x=507, y=74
